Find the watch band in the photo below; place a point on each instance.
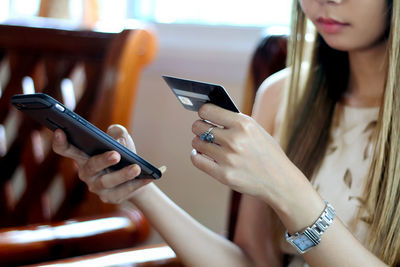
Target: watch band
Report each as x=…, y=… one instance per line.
x=311, y=236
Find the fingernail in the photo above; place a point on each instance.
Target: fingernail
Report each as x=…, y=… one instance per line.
x=111, y=156
x=194, y=152
x=57, y=136
x=133, y=169
x=163, y=169
x=121, y=141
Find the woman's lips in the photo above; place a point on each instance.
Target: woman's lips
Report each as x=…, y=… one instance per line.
x=331, y=26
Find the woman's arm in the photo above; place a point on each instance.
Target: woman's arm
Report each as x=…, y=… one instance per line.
x=247, y=159
x=194, y=244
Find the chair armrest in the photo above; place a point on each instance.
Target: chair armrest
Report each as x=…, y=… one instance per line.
x=156, y=255
x=39, y=243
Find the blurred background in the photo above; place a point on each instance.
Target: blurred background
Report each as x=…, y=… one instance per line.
x=207, y=40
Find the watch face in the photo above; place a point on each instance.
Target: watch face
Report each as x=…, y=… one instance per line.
x=303, y=243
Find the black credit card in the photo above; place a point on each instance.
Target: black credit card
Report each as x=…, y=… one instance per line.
x=193, y=94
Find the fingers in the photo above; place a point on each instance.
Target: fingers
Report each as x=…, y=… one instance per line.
x=205, y=164
x=118, y=178
x=218, y=115
x=62, y=147
x=112, y=187
x=200, y=127
x=94, y=165
x=119, y=133
x=114, y=179
x=213, y=151
x=216, y=150
x=120, y=185
x=124, y=191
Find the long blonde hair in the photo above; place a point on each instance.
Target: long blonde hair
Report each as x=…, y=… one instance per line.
x=313, y=98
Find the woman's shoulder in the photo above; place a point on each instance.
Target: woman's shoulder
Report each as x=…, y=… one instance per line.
x=269, y=98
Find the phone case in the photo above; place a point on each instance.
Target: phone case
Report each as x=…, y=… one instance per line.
x=81, y=133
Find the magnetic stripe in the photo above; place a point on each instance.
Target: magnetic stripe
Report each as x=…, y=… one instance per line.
x=191, y=94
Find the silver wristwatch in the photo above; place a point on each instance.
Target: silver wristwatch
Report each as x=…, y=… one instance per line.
x=311, y=237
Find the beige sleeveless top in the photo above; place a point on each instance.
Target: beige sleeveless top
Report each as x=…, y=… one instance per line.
x=342, y=175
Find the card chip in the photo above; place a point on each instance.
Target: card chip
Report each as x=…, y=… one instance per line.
x=184, y=100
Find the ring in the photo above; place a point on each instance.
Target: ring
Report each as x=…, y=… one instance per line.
x=208, y=136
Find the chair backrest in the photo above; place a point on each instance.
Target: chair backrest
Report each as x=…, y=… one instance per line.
x=93, y=72
x=268, y=58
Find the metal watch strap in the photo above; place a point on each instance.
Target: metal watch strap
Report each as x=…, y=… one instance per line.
x=314, y=232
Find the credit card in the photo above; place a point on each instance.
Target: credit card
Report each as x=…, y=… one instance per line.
x=193, y=94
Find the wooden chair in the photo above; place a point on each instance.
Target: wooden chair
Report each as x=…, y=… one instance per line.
x=268, y=58
x=96, y=74
x=146, y=256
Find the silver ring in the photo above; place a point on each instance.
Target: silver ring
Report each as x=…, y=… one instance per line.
x=207, y=136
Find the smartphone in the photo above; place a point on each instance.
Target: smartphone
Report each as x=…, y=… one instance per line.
x=81, y=133
x=193, y=94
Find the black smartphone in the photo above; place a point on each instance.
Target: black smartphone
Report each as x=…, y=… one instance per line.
x=81, y=133
x=193, y=94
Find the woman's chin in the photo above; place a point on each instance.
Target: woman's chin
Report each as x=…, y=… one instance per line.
x=340, y=45
x=349, y=45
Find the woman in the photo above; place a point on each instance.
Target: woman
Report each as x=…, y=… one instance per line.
x=354, y=68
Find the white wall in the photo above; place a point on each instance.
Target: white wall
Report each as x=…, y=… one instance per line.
x=162, y=127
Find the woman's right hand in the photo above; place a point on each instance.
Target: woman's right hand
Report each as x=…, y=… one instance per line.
x=111, y=186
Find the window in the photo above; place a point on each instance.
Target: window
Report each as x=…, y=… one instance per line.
x=213, y=12
x=222, y=12
x=18, y=8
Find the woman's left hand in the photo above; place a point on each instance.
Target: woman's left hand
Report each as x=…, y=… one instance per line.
x=243, y=155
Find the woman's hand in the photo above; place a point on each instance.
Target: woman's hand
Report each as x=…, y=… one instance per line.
x=111, y=187
x=244, y=156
